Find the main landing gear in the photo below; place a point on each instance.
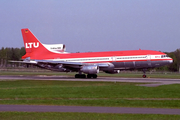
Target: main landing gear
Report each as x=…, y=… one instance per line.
x=144, y=73
x=91, y=76
x=84, y=76
x=80, y=76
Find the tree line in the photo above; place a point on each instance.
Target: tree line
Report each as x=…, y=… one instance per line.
x=7, y=54
x=175, y=66
x=15, y=54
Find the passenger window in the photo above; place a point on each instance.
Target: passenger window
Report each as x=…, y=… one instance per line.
x=163, y=56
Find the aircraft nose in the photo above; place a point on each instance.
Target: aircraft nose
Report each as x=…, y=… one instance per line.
x=171, y=60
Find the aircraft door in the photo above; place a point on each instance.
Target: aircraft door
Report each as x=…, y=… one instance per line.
x=113, y=58
x=149, y=60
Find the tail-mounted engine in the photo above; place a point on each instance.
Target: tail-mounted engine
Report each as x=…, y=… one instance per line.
x=55, y=47
x=90, y=69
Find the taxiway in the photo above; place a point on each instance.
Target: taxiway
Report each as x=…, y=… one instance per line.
x=151, y=82
x=88, y=109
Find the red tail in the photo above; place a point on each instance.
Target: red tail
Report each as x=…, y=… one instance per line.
x=34, y=48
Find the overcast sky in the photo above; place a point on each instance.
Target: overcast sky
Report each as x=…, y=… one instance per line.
x=93, y=25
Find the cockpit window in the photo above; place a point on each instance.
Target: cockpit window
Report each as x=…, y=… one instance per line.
x=163, y=56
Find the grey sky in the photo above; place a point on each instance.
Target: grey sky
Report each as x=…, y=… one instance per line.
x=93, y=25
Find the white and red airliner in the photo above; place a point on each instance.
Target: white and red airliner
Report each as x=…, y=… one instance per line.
x=55, y=58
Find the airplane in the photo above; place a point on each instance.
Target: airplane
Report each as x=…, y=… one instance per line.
x=54, y=57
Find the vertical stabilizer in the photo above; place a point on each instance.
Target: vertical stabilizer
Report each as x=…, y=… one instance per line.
x=33, y=47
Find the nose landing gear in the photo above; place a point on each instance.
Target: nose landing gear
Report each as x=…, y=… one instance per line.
x=144, y=76
x=144, y=73
x=92, y=76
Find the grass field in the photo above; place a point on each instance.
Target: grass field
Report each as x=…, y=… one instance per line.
x=88, y=94
x=82, y=116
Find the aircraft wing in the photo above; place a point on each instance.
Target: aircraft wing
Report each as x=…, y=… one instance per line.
x=24, y=61
x=59, y=62
x=63, y=66
x=72, y=64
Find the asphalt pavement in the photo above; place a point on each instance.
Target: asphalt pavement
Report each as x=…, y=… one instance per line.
x=88, y=109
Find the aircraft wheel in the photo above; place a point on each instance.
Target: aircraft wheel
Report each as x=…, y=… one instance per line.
x=94, y=76
x=83, y=76
x=89, y=76
x=80, y=76
x=144, y=76
x=76, y=75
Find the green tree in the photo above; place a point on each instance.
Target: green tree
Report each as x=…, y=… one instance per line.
x=173, y=66
x=22, y=52
x=177, y=54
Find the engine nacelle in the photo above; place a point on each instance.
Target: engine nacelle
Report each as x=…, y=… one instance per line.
x=112, y=72
x=90, y=69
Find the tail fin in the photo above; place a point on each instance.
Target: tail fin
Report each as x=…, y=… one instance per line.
x=33, y=47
